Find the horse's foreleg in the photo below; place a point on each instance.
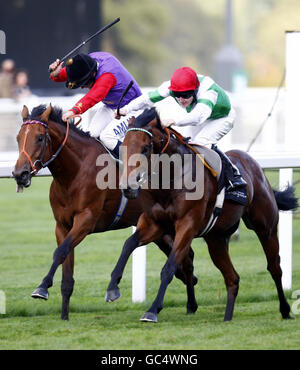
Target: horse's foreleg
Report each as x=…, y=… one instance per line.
x=67, y=282
x=178, y=257
x=188, y=269
x=218, y=250
x=59, y=256
x=82, y=225
x=165, y=244
x=166, y=277
x=146, y=232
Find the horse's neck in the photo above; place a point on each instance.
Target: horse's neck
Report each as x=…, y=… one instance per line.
x=69, y=159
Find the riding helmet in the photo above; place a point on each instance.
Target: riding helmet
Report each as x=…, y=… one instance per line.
x=184, y=79
x=80, y=70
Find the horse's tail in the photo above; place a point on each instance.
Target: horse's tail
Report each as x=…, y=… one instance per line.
x=286, y=199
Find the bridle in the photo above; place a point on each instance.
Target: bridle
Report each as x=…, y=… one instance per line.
x=47, y=140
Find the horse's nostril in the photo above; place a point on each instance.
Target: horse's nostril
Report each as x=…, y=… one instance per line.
x=22, y=178
x=24, y=175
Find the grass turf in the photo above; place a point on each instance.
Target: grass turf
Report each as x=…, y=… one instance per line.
x=27, y=245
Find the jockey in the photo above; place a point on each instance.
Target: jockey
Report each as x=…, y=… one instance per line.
x=106, y=78
x=206, y=107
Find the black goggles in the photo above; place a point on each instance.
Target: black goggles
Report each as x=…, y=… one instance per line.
x=184, y=94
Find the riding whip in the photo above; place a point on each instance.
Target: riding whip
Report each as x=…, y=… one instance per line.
x=88, y=39
x=124, y=93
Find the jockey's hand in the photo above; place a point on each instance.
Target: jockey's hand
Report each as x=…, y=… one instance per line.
x=122, y=112
x=167, y=122
x=67, y=115
x=55, y=68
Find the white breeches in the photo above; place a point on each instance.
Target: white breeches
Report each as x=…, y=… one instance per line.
x=210, y=131
x=107, y=128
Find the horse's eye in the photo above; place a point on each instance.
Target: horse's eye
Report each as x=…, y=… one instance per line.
x=40, y=138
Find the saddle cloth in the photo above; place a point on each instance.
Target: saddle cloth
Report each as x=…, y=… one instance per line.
x=213, y=159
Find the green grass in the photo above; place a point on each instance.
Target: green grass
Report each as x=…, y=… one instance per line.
x=27, y=245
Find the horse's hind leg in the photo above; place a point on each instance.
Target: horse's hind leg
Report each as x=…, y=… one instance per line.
x=270, y=245
x=113, y=291
x=218, y=250
x=67, y=284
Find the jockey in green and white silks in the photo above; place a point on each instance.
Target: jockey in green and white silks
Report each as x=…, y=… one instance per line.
x=205, y=108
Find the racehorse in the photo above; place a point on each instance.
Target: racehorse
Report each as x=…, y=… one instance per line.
x=170, y=211
x=81, y=203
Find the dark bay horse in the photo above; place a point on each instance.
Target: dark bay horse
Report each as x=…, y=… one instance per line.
x=80, y=204
x=169, y=211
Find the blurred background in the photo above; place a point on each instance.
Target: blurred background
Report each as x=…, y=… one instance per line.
x=240, y=44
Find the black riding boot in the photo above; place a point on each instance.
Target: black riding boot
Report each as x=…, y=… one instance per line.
x=233, y=175
x=116, y=151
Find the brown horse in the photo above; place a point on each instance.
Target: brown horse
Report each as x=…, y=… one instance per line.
x=81, y=203
x=169, y=211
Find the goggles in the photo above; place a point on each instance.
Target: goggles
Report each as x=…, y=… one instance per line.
x=184, y=94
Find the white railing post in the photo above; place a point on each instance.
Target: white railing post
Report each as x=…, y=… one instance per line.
x=139, y=274
x=285, y=231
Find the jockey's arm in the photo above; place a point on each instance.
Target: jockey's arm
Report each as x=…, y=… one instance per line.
x=147, y=100
x=198, y=115
x=201, y=112
x=61, y=77
x=96, y=94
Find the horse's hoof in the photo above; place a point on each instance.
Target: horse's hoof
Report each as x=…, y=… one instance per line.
x=112, y=295
x=191, y=309
x=41, y=293
x=288, y=318
x=149, y=317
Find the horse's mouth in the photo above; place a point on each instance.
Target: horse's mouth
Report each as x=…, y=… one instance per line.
x=22, y=180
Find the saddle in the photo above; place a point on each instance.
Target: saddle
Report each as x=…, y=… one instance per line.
x=213, y=162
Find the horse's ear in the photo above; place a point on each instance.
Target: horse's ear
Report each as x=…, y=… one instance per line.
x=157, y=116
x=45, y=115
x=130, y=122
x=25, y=113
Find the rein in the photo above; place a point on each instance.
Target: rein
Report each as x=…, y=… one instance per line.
x=48, y=139
x=180, y=138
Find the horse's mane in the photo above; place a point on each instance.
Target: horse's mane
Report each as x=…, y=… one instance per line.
x=147, y=116
x=56, y=116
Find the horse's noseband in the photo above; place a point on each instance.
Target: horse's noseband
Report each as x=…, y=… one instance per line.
x=46, y=141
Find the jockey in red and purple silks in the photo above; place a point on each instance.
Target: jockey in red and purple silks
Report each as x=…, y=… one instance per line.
x=106, y=79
